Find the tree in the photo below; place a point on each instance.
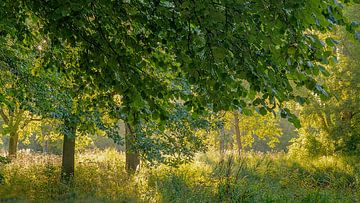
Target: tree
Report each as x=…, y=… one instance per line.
x=237, y=132
x=207, y=55
x=332, y=126
x=30, y=93
x=246, y=129
x=18, y=123
x=80, y=109
x=16, y=87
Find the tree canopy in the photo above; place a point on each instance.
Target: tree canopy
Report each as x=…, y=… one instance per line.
x=201, y=55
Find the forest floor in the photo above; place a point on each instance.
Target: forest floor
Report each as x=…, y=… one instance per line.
x=256, y=177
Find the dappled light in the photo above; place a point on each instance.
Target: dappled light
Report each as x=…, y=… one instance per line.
x=179, y=101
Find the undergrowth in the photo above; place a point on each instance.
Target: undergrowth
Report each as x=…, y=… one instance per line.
x=255, y=177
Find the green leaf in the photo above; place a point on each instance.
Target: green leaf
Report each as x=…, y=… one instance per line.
x=294, y=120
x=300, y=100
x=283, y=113
x=246, y=111
x=324, y=71
x=331, y=42
x=262, y=111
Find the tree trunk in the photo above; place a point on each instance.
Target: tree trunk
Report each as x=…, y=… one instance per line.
x=222, y=141
x=132, y=157
x=237, y=132
x=13, y=144
x=46, y=146
x=230, y=142
x=45, y=143
x=68, y=156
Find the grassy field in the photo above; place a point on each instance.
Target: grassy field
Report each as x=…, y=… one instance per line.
x=255, y=177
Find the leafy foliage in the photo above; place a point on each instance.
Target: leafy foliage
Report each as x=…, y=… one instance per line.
x=332, y=126
x=201, y=55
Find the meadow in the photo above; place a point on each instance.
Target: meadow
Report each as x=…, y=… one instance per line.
x=253, y=177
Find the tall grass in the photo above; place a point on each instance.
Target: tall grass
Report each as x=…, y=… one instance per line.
x=254, y=177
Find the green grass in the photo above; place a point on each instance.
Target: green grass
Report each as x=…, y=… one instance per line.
x=100, y=177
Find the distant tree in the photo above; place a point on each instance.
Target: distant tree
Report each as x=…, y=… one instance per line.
x=332, y=126
x=16, y=87
x=17, y=123
x=247, y=129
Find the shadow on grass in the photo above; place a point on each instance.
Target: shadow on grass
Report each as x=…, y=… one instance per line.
x=251, y=178
x=259, y=178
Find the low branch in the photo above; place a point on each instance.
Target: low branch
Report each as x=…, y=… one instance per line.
x=4, y=117
x=31, y=120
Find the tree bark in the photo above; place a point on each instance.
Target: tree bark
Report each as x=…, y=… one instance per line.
x=230, y=141
x=14, y=137
x=237, y=132
x=46, y=147
x=68, y=156
x=131, y=155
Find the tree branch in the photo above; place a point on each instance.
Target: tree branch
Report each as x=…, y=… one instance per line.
x=31, y=120
x=4, y=117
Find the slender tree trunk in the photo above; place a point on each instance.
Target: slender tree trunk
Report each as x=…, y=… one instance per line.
x=132, y=157
x=328, y=120
x=222, y=141
x=46, y=146
x=45, y=141
x=68, y=156
x=14, y=137
x=237, y=132
x=230, y=141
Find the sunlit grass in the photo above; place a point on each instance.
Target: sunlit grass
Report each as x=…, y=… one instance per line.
x=255, y=177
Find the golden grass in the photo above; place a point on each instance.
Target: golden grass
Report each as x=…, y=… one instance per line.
x=255, y=177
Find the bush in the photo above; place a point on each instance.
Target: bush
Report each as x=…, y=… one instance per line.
x=4, y=160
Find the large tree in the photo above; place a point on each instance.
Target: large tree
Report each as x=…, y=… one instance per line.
x=29, y=93
x=201, y=55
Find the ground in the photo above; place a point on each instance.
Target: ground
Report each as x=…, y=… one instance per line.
x=255, y=177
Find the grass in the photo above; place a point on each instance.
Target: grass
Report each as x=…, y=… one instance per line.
x=255, y=177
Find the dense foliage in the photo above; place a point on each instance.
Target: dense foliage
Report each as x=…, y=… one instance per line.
x=332, y=126
x=167, y=80
x=203, y=54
